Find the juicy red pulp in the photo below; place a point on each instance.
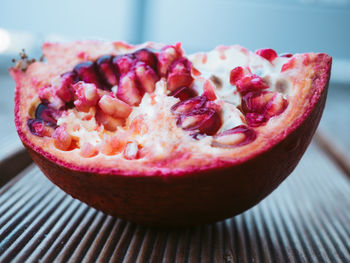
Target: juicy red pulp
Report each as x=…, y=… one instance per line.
x=135, y=74
x=197, y=114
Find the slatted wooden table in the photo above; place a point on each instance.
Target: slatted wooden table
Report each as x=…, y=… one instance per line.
x=307, y=219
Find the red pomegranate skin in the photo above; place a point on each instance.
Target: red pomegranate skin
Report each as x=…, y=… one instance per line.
x=196, y=196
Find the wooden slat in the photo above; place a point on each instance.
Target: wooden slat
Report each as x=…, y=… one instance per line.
x=13, y=157
x=335, y=122
x=336, y=152
x=307, y=219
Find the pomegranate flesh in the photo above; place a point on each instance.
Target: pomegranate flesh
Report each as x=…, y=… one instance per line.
x=152, y=135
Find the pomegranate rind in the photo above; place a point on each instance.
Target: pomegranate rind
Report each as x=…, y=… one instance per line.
x=196, y=194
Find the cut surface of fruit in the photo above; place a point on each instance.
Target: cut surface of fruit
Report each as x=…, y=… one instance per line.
x=151, y=134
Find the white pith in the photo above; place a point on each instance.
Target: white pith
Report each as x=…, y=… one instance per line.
x=162, y=137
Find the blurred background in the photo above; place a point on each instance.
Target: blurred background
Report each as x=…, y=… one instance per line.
x=286, y=26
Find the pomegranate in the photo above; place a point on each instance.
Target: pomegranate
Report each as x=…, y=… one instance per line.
x=151, y=135
x=267, y=53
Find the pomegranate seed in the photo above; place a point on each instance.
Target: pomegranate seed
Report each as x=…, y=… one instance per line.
x=267, y=53
x=87, y=73
x=65, y=90
x=146, y=76
x=262, y=105
x=114, y=107
x=128, y=91
x=184, y=107
x=209, y=90
x=49, y=115
x=36, y=127
x=289, y=65
x=276, y=105
x=205, y=120
x=86, y=96
x=256, y=101
x=147, y=56
x=61, y=139
x=124, y=63
x=255, y=119
x=107, y=71
x=109, y=123
x=237, y=136
x=196, y=72
x=47, y=94
x=236, y=74
x=250, y=83
x=179, y=74
x=286, y=55
x=166, y=57
x=266, y=102
x=183, y=93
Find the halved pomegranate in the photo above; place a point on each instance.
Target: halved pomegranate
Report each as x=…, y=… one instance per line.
x=151, y=135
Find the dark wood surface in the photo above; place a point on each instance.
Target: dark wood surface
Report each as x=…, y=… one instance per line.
x=307, y=219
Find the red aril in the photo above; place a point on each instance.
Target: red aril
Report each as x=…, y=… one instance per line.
x=236, y=74
x=166, y=57
x=86, y=72
x=183, y=93
x=184, y=107
x=204, y=120
x=250, y=82
x=146, y=76
x=267, y=53
x=124, y=63
x=179, y=74
x=259, y=106
x=128, y=90
x=147, y=56
x=107, y=70
x=237, y=136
